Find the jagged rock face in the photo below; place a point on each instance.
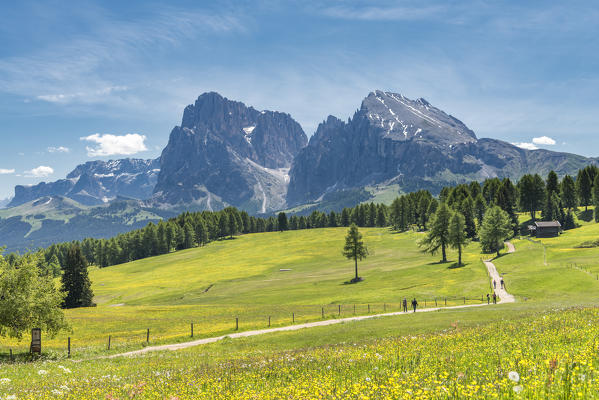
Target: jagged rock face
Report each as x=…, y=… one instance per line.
x=225, y=153
x=392, y=139
x=97, y=182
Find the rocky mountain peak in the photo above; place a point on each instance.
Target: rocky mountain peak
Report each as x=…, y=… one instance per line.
x=225, y=152
x=400, y=118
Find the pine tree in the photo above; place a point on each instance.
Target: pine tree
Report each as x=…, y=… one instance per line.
x=223, y=225
x=354, y=248
x=466, y=208
x=332, y=219
x=596, y=196
x=496, y=228
x=381, y=216
x=552, y=183
x=75, y=280
x=438, y=236
x=532, y=193
x=584, y=188
x=568, y=193
x=457, y=234
x=480, y=206
x=283, y=223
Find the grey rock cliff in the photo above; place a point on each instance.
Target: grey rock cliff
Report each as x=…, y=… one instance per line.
x=225, y=153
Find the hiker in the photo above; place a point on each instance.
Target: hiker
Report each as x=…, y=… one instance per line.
x=488, y=298
x=414, y=304
x=405, y=305
x=494, y=298
x=494, y=284
x=502, y=283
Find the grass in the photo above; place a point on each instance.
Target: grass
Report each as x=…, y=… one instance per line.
x=553, y=351
x=242, y=278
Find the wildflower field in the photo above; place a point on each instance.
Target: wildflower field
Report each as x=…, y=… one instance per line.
x=551, y=355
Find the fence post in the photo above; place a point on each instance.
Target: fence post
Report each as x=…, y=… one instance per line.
x=424, y=302
x=368, y=308
x=69, y=347
x=339, y=311
x=293, y=318
x=236, y=323
x=464, y=300
x=11, y=356
x=269, y=321
x=148, y=336
x=109, y=337
x=384, y=307
x=435, y=302
x=192, y=329
x=354, y=308
x=446, y=301
x=322, y=309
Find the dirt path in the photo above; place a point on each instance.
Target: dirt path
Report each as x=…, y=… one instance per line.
x=504, y=297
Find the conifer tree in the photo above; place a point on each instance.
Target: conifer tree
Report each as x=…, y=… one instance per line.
x=283, y=223
x=496, y=228
x=438, y=236
x=354, y=248
x=75, y=280
x=568, y=193
x=596, y=197
x=457, y=234
x=584, y=188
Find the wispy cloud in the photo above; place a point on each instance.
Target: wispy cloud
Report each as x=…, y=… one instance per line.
x=59, y=149
x=83, y=70
x=390, y=13
x=110, y=145
x=40, y=172
x=5, y=171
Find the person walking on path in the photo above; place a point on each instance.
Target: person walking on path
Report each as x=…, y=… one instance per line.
x=502, y=284
x=488, y=298
x=494, y=298
x=414, y=304
x=494, y=284
x=405, y=305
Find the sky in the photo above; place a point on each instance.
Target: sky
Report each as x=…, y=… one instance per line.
x=87, y=80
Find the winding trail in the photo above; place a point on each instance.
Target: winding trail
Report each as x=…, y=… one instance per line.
x=504, y=297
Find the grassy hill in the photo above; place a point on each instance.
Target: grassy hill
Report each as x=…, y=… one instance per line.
x=480, y=346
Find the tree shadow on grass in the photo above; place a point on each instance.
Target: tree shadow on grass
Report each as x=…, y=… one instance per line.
x=353, y=281
x=456, y=266
x=438, y=262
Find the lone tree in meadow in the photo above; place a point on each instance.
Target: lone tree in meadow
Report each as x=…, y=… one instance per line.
x=283, y=223
x=354, y=248
x=458, y=238
x=438, y=236
x=75, y=280
x=496, y=228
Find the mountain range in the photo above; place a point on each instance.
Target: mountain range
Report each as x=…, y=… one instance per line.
x=225, y=153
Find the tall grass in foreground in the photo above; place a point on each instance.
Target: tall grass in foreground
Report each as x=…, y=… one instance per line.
x=554, y=355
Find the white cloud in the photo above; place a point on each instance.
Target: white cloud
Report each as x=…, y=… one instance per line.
x=543, y=140
x=527, y=146
x=83, y=97
x=40, y=172
x=109, y=145
x=4, y=171
x=59, y=149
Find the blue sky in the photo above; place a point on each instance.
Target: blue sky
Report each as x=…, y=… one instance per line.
x=118, y=74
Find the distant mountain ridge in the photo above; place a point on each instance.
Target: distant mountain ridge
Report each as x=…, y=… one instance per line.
x=394, y=140
x=97, y=182
x=225, y=153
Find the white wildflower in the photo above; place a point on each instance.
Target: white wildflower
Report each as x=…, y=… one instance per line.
x=56, y=392
x=42, y=372
x=518, y=388
x=4, y=381
x=514, y=376
x=11, y=397
x=65, y=369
